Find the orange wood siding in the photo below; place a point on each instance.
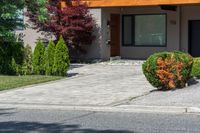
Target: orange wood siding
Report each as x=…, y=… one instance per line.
x=115, y=3
x=62, y=4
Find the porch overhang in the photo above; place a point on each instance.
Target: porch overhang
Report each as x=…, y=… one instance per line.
x=125, y=3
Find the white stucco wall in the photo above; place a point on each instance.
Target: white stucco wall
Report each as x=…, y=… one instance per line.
x=31, y=35
x=187, y=13
x=94, y=50
x=173, y=27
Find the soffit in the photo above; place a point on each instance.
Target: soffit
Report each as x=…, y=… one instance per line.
x=117, y=3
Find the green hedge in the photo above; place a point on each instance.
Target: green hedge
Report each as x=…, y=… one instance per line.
x=17, y=60
x=11, y=53
x=168, y=69
x=196, y=67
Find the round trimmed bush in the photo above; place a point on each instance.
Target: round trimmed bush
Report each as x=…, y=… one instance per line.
x=168, y=70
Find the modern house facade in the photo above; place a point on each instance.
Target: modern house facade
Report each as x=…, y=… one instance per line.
x=135, y=29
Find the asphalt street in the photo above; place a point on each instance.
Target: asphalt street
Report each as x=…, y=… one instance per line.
x=57, y=121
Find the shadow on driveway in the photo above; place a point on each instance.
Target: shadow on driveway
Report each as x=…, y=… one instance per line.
x=24, y=127
x=72, y=66
x=7, y=111
x=27, y=126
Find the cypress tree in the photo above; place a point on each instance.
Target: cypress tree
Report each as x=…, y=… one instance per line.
x=27, y=63
x=49, y=58
x=38, y=58
x=61, y=58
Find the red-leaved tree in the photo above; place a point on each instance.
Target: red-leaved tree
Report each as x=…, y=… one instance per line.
x=73, y=22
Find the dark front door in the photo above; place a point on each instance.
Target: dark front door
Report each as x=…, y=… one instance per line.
x=194, y=38
x=115, y=35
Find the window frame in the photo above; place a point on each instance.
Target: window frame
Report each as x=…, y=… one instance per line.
x=133, y=30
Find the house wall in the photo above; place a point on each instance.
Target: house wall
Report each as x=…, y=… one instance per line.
x=187, y=13
x=106, y=31
x=173, y=28
x=31, y=35
x=100, y=48
x=94, y=50
x=177, y=31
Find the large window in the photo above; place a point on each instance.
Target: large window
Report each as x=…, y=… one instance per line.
x=144, y=30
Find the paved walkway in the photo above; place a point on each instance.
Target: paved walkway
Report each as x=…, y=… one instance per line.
x=89, y=85
x=186, y=97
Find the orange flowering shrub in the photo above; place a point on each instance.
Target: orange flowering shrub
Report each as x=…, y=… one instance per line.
x=168, y=69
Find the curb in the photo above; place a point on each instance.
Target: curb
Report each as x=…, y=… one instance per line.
x=121, y=108
x=155, y=109
x=193, y=110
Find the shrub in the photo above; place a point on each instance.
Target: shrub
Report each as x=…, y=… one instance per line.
x=61, y=58
x=16, y=68
x=27, y=63
x=168, y=69
x=18, y=58
x=49, y=58
x=1, y=58
x=6, y=58
x=11, y=52
x=18, y=52
x=38, y=58
x=196, y=67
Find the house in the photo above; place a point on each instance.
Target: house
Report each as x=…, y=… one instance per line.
x=136, y=29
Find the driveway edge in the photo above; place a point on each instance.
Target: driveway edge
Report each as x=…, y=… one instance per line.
x=121, y=108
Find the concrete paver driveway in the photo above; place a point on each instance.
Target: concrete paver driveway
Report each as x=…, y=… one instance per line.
x=185, y=97
x=89, y=85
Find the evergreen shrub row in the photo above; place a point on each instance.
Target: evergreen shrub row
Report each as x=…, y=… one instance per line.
x=53, y=60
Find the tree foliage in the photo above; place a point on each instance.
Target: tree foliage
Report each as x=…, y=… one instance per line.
x=74, y=23
x=37, y=10
x=9, y=19
x=61, y=58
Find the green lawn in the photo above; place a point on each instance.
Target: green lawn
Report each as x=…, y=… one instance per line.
x=9, y=82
